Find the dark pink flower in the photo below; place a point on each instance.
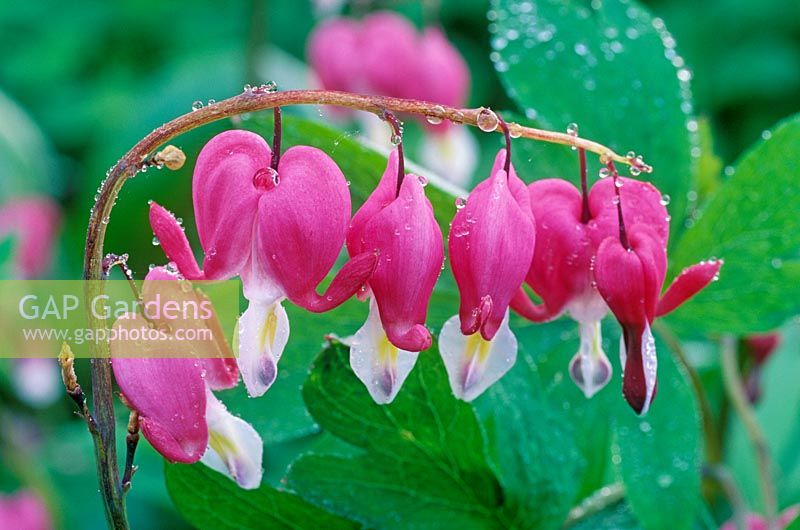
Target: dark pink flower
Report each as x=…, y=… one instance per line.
x=629, y=270
x=280, y=230
x=34, y=222
x=491, y=245
x=403, y=230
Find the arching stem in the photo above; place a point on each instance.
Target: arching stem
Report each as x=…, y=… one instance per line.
x=397, y=141
x=249, y=101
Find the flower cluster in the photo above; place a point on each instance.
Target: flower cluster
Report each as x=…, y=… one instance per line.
x=280, y=221
x=391, y=52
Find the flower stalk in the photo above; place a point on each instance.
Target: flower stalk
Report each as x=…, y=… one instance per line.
x=111, y=487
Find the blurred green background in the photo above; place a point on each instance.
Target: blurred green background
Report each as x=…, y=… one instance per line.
x=82, y=81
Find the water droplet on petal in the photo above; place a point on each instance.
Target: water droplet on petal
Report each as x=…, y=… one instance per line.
x=423, y=181
x=461, y=202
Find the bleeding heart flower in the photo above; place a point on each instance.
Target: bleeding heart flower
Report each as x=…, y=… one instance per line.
x=178, y=414
x=491, y=244
x=280, y=229
x=630, y=268
x=402, y=228
x=24, y=510
x=35, y=222
x=569, y=229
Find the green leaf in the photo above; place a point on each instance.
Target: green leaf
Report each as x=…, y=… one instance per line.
x=616, y=517
x=424, y=453
x=208, y=499
x=658, y=456
x=752, y=223
x=7, y=258
x=605, y=69
x=533, y=450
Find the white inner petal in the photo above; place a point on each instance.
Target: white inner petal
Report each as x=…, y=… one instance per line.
x=234, y=447
x=380, y=365
x=650, y=364
x=473, y=364
x=263, y=332
x=590, y=368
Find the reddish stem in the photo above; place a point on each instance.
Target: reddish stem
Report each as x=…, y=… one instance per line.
x=397, y=132
x=586, y=215
x=276, y=138
x=507, y=134
x=623, y=236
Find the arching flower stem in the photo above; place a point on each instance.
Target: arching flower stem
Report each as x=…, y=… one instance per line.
x=130, y=164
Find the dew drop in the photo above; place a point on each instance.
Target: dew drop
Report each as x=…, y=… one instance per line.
x=197, y=105
x=156, y=242
x=423, y=181
x=397, y=139
x=665, y=199
x=211, y=101
x=461, y=202
x=604, y=172
x=247, y=88
x=487, y=120
x=635, y=171
x=572, y=129
x=619, y=183
x=266, y=179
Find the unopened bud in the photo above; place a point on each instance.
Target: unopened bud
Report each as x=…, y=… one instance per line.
x=170, y=156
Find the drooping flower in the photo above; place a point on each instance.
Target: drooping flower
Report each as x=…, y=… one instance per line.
x=402, y=228
x=491, y=244
x=280, y=229
x=569, y=229
x=34, y=222
x=169, y=382
x=630, y=269
x=24, y=510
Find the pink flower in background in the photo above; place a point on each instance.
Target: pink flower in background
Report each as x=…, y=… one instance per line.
x=403, y=230
x=280, y=230
x=759, y=348
x=757, y=522
x=24, y=510
x=169, y=383
x=384, y=54
x=491, y=245
x=34, y=222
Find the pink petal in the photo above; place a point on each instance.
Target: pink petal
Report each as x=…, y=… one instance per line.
x=173, y=240
x=411, y=257
x=35, y=222
x=442, y=74
x=170, y=396
x=689, y=282
x=226, y=199
x=639, y=383
x=380, y=198
x=489, y=258
x=641, y=204
x=561, y=267
x=525, y=307
x=352, y=277
x=332, y=47
x=302, y=222
x=388, y=54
